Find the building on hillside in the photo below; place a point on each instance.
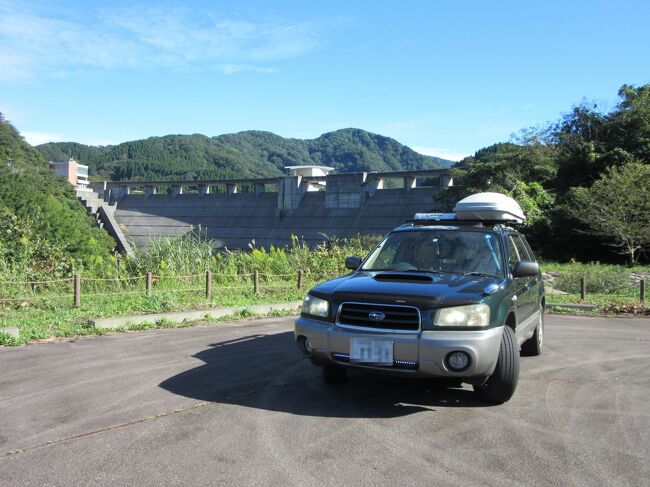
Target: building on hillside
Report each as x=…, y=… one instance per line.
x=307, y=171
x=75, y=173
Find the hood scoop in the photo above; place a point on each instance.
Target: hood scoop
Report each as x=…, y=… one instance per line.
x=403, y=277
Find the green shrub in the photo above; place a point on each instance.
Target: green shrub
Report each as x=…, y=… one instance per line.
x=599, y=279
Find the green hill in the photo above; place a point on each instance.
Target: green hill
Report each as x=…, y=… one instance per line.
x=43, y=227
x=446, y=163
x=244, y=154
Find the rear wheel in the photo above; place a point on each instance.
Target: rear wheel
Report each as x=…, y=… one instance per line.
x=533, y=346
x=333, y=374
x=501, y=385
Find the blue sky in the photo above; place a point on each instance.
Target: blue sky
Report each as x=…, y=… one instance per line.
x=444, y=77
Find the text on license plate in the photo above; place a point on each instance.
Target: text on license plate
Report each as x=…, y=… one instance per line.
x=371, y=351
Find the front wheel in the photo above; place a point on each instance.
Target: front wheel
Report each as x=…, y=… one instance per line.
x=533, y=346
x=501, y=385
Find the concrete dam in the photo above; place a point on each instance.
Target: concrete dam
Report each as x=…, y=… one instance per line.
x=268, y=211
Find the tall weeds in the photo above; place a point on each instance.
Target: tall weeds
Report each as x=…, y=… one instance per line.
x=192, y=254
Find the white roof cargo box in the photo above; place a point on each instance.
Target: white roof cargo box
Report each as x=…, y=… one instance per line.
x=489, y=206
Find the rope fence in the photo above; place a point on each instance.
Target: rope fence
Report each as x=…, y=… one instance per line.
x=76, y=288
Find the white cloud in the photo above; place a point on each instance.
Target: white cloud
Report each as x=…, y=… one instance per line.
x=238, y=68
x=95, y=141
x=33, y=43
x=442, y=153
x=37, y=138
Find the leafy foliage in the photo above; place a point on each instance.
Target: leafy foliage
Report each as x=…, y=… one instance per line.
x=599, y=279
x=571, y=162
x=42, y=224
x=245, y=154
x=617, y=206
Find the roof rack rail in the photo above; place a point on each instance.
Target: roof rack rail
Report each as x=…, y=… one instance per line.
x=481, y=208
x=457, y=223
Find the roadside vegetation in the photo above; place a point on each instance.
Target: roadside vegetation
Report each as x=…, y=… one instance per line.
x=43, y=308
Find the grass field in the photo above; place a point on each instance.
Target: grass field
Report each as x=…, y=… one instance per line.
x=52, y=314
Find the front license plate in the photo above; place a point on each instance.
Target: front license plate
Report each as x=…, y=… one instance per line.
x=378, y=352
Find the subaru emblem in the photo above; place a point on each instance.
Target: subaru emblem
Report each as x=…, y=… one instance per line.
x=376, y=315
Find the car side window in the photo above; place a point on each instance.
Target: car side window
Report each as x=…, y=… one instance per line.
x=513, y=251
x=531, y=255
x=521, y=248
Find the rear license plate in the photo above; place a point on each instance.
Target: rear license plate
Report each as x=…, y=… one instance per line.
x=379, y=352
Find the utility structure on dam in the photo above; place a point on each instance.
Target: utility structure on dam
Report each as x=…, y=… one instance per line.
x=268, y=211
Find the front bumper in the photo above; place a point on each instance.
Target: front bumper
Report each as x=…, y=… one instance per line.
x=426, y=350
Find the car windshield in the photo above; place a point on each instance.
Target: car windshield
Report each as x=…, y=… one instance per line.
x=455, y=251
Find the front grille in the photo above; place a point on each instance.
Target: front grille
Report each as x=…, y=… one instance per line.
x=395, y=317
x=397, y=364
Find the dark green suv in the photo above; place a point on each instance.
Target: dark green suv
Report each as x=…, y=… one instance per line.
x=438, y=297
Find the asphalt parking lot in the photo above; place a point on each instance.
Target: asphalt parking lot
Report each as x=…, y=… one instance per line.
x=234, y=404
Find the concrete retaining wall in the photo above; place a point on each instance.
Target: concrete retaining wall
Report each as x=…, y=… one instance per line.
x=235, y=220
x=351, y=204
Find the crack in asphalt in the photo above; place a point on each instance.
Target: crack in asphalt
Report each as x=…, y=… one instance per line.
x=146, y=419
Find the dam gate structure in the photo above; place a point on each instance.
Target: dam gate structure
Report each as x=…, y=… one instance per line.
x=272, y=211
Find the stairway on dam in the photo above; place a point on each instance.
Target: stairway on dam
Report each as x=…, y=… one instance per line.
x=104, y=214
x=350, y=205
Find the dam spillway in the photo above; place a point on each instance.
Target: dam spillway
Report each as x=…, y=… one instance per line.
x=273, y=210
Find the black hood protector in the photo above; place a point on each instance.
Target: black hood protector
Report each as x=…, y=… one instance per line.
x=421, y=289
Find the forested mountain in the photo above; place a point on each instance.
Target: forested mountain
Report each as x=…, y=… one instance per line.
x=446, y=163
x=244, y=154
x=43, y=227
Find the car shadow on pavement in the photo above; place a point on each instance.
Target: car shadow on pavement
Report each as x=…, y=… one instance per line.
x=267, y=372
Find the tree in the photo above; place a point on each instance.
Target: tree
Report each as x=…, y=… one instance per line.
x=501, y=167
x=578, y=138
x=617, y=206
x=535, y=201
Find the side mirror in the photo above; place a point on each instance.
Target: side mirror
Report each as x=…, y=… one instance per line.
x=352, y=262
x=525, y=268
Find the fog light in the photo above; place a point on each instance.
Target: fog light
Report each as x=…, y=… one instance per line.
x=457, y=361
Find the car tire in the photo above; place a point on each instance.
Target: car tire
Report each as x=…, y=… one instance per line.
x=501, y=385
x=333, y=374
x=533, y=346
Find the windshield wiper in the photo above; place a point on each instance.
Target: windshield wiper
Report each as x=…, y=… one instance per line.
x=389, y=269
x=482, y=274
x=437, y=271
x=473, y=273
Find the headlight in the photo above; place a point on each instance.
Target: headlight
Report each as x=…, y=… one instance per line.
x=315, y=306
x=472, y=315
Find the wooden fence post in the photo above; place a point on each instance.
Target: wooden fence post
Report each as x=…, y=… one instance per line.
x=642, y=290
x=77, y=290
x=256, y=281
x=583, y=288
x=208, y=284
x=301, y=278
x=148, y=284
